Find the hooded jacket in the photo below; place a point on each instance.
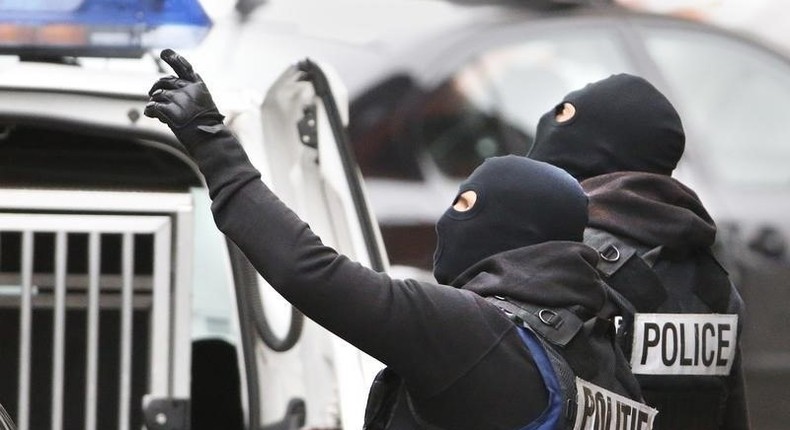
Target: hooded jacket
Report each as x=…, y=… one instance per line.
x=553, y=275
x=664, y=225
x=447, y=344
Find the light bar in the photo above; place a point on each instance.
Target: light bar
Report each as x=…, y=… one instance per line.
x=100, y=28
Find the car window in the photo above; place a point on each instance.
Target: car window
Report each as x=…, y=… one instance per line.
x=739, y=97
x=492, y=104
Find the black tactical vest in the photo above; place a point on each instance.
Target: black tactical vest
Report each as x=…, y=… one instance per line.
x=389, y=406
x=681, y=336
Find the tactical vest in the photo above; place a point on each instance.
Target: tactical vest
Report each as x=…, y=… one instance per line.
x=574, y=404
x=681, y=333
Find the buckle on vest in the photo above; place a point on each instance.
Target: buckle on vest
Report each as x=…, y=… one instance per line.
x=610, y=254
x=549, y=317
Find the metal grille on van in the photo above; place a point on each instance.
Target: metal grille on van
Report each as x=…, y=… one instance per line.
x=85, y=318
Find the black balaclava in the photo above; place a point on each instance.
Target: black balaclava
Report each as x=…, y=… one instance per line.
x=622, y=123
x=520, y=202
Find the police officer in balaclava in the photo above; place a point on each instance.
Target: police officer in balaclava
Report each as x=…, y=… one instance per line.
x=455, y=359
x=621, y=138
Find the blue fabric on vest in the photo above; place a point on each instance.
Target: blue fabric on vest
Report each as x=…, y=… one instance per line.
x=551, y=416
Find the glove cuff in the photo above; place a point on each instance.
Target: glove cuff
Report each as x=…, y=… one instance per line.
x=201, y=128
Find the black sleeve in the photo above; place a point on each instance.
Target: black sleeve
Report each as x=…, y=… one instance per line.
x=429, y=334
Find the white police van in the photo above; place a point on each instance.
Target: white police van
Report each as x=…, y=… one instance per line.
x=121, y=304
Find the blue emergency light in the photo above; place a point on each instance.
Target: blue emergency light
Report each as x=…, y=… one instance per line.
x=99, y=28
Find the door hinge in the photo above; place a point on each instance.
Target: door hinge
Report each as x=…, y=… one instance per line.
x=307, y=127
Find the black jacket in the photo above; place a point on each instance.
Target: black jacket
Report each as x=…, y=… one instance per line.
x=460, y=357
x=663, y=223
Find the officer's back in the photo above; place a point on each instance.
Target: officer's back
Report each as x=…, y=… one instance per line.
x=621, y=138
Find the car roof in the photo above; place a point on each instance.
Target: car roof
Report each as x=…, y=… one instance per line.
x=53, y=77
x=363, y=40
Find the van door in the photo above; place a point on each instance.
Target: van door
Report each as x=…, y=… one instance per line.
x=298, y=374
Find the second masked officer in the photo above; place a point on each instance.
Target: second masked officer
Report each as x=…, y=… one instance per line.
x=456, y=360
x=622, y=139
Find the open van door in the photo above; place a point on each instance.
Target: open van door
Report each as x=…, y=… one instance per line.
x=298, y=374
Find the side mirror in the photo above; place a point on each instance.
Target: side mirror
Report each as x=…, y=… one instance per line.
x=769, y=242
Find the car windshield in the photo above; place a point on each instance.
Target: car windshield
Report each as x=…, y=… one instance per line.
x=739, y=97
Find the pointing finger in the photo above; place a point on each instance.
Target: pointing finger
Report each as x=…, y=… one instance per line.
x=179, y=64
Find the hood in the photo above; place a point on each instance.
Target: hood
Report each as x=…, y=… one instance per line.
x=654, y=209
x=554, y=274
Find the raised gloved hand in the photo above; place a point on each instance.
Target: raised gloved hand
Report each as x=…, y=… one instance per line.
x=182, y=102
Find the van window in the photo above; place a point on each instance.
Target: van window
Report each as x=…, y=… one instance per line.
x=62, y=158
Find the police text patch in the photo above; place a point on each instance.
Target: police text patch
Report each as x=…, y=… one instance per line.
x=601, y=409
x=684, y=344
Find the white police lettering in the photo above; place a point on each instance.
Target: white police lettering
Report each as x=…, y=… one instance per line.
x=618, y=321
x=684, y=344
x=601, y=409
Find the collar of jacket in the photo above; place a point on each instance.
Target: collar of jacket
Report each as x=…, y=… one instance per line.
x=656, y=210
x=554, y=274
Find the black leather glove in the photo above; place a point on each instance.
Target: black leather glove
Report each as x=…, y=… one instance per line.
x=182, y=102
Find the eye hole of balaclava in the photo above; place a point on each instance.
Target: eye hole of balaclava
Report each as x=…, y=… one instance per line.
x=517, y=202
x=621, y=123
x=465, y=201
x=558, y=108
x=564, y=112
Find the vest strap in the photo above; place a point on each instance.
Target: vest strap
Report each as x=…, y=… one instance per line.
x=557, y=325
